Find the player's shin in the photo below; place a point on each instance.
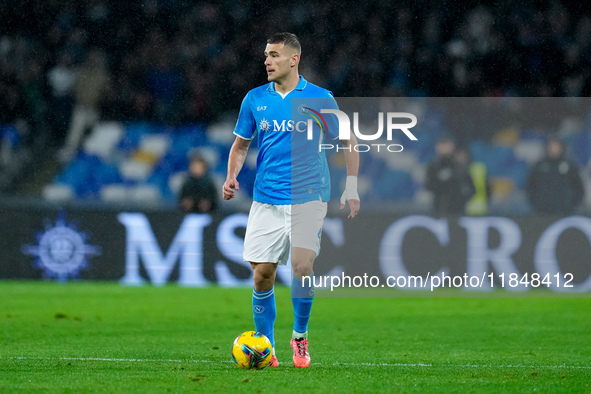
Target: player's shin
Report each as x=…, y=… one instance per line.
x=264, y=312
x=302, y=297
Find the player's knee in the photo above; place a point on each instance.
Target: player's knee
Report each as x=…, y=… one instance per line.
x=303, y=269
x=263, y=276
x=262, y=283
x=302, y=262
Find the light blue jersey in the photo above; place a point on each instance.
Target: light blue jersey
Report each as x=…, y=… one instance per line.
x=290, y=167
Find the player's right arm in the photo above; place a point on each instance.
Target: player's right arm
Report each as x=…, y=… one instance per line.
x=244, y=130
x=235, y=162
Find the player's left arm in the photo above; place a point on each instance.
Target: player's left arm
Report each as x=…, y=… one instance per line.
x=350, y=194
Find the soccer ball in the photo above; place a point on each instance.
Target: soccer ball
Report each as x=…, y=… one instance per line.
x=252, y=350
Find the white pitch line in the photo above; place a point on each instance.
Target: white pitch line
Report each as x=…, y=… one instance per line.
x=460, y=365
x=132, y=360
x=404, y=365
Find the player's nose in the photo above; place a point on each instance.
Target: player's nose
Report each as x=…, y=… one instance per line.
x=267, y=61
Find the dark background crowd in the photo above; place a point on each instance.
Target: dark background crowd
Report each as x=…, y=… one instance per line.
x=178, y=61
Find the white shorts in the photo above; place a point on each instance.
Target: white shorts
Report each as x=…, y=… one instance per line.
x=272, y=229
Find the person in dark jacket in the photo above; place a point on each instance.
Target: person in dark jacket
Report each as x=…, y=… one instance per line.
x=448, y=180
x=198, y=193
x=554, y=185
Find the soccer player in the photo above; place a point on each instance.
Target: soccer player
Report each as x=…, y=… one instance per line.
x=291, y=191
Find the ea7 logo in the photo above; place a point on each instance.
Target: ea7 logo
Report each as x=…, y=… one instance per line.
x=261, y=108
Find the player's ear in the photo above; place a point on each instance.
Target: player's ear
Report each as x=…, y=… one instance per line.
x=295, y=59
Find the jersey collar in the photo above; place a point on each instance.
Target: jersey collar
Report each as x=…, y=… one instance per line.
x=300, y=86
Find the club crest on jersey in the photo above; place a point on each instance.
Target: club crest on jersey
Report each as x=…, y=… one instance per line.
x=61, y=250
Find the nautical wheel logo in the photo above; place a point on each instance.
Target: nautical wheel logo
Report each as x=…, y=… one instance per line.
x=61, y=251
x=264, y=125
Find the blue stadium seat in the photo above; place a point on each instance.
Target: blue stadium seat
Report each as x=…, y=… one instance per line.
x=425, y=147
x=533, y=134
x=395, y=185
x=107, y=174
x=160, y=180
x=500, y=161
x=223, y=152
x=187, y=138
x=9, y=134
x=372, y=166
x=579, y=147
x=134, y=133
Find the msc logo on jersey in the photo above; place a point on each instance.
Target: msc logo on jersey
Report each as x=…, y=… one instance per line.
x=286, y=125
x=61, y=250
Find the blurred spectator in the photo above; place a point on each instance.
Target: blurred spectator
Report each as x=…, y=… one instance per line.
x=14, y=122
x=448, y=180
x=88, y=87
x=198, y=193
x=554, y=185
x=477, y=205
x=61, y=78
x=173, y=57
x=163, y=81
x=178, y=61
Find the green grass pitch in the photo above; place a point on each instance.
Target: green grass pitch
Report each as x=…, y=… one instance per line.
x=102, y=337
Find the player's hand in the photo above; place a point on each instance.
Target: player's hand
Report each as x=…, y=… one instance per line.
x=354, y=204
x=351, y=196
x=228, y=189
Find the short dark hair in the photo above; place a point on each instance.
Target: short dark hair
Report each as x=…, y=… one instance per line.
x=287, y=39
x=195, y=156
x=446, y=139
x=554, y=138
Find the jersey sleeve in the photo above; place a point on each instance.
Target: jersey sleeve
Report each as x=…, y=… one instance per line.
x=246, y=125
x=332, y=122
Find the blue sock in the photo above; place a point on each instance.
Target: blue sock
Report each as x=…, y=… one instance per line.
x=264, y=312
x=302, y=298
